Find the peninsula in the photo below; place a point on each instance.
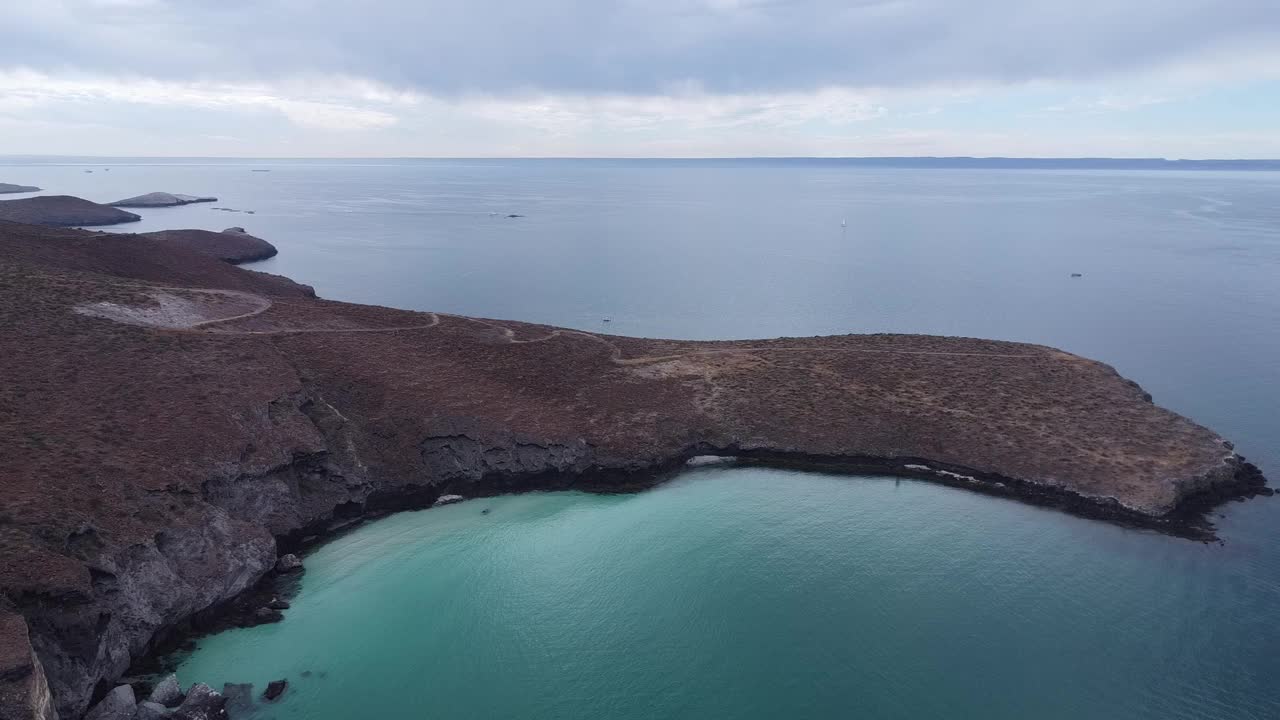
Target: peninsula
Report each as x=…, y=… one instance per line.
x=173, y=423
x=62, y=211
x=161, y=199
x=233, y=245
x=7, y=188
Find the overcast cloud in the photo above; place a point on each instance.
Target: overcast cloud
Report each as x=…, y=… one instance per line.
x=637, y=77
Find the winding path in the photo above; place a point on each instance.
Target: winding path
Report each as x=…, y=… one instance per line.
x=263, y=304
x=615, y=352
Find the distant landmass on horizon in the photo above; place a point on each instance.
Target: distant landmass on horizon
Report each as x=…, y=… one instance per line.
x=957, y=162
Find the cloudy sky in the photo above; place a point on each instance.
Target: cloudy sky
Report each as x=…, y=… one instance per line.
x=478, y=78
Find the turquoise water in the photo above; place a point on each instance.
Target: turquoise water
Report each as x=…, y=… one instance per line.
x=759, y=593
x=753, y=593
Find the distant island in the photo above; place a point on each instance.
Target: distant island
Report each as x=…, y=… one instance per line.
x=174, y=425
x=161, y=199
x=955, y=162
x=7, y=188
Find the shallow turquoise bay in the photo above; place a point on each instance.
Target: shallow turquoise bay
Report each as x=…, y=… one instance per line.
x=760, y=593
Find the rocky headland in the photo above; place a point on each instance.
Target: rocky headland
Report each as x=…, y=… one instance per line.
x=232, y=245
x=8, y=188
x=170, y=425
x=62, y=211
x=161, y=199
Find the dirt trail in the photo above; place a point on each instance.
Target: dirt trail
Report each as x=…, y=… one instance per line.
x=262, y=304
x=615, y=352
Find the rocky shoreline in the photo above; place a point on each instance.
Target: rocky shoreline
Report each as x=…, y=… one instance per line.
x=155, y=485
x=279, y=586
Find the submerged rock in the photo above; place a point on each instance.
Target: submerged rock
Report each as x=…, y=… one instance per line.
x=167, y=692
x=119, y=704
x=239, y=698
x=288, y=563
x=275, y=689
x=161, y=199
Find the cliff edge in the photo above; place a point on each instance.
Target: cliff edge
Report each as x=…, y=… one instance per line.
x=169, y=419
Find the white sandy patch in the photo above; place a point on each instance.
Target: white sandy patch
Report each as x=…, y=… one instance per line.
x=178, y=312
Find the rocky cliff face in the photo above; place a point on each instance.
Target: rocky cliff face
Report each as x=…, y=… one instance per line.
x=152, y=470
x=24, y=691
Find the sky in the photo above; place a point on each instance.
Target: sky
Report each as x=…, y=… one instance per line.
x=641, y=78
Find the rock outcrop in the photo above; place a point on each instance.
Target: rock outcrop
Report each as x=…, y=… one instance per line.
x=24, y=692
x=119, y=704
x=167, y=692
x=232, y=245
x=202, y=703
x=154, y=472
x=62, y=211
x=148, y=710
x=7, y=188
x=161, y=199
x=275, y=689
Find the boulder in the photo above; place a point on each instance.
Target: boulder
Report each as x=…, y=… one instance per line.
x=448, y=500
x=119, y=704
x=167, y=692
x=288, y=563
x=161, y=199
x=202, y=703
x=148, y=710
x=62, y=211
x=278, y=604
x=275, y=689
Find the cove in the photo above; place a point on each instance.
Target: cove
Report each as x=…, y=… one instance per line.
x=758, y=593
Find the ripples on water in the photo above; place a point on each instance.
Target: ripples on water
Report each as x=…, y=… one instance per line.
x=760, y=593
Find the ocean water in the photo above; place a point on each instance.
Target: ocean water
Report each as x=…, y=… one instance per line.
x=754, y=593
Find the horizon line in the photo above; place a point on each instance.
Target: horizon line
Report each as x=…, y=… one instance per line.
x=1023, y=158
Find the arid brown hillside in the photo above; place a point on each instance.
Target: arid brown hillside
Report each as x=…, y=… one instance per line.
x=232, y=245
x=165, y=418
x=62, y=211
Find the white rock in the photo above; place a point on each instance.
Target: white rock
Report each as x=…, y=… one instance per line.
x=288, y=563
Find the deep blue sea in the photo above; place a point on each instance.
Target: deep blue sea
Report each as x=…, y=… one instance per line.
x=757, y=593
